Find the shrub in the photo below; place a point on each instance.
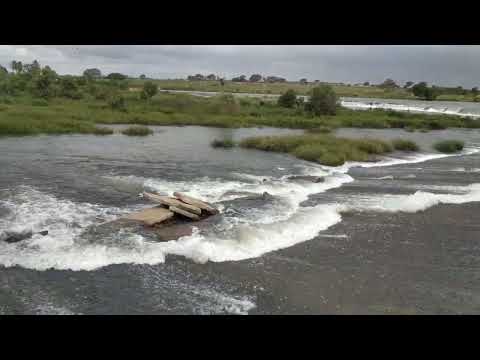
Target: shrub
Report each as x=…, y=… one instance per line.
x=449, y=146
x=288, y=99
x=103, y=131
x=374, y=146
x=117, y=102
x=405, y=145
x=323, y=101
x=226, y=143
x=149, y=90
x=320, y=130
x=137, y=131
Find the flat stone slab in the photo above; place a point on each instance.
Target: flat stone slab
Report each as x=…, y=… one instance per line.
x=184, y=213
x=169, y=201
x=195, y=202
x=151, y=216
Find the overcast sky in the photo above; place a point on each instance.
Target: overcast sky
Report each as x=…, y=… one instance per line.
x=440, y=65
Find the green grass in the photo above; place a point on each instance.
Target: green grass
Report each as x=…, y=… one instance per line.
x=323, y=149
x=26, y=116
x=226, y=143
x=273, y=88
x=280, y=88
x=405, y=145
x=449, y=146
x=137, y=131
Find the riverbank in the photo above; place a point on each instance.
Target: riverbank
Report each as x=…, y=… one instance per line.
x=301, y=89
x=26, y=116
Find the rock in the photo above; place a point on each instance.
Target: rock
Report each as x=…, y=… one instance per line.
x=169, y=201
x=314, y=179
x=195, y=202
x=13, y=237
x=151, y=216
x=184, y=213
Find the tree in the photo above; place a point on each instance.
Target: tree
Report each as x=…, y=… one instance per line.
x=288, y=99
x=421, y=90
x=273, y=79
x=408, y=84
x=116, y=76
x=211, y=77
x=142, y=76
x=44, y=83
x=149, y=90
x=388, y=84
x=255, y=78
x=475, y=91
x=32, y=69
x=196, y=77
x=366, y=83
x=323, y=101
x=69, y=89
x=3, y=70
x=16, y=66
x=92, y=74
x=303, y=81
x=241, y=78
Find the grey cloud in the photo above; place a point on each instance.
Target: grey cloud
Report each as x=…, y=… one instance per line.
x=441, y=65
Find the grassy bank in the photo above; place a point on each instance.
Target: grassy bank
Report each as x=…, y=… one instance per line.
x=27, y=116
x=280, y=88
x=323, y=149
x=137, y=131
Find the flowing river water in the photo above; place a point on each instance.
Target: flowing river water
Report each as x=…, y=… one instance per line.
x=457, y=108
x=397, y=236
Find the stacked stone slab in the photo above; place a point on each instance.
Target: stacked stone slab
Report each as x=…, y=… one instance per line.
x=169, y=207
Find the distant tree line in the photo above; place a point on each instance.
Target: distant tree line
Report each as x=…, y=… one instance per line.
x=240, y=78
x=322, y=101
x=34, y=80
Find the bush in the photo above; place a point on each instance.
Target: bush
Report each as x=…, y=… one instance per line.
x=323, y=101
x=117, y=102
x=137, y=131
x=405, y=145
x=149, y=90
x=227, y=143
x=103, y=131
x=288, y=99
x=320, y=130
x=449, y=146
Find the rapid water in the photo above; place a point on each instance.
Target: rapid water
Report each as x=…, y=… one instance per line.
x=457, y=108
x=65, y=184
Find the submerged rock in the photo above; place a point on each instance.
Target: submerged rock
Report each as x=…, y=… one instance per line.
x=172, y=228
x=314, y=179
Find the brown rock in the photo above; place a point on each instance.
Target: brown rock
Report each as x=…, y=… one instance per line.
x=169, y=201
x=184, y=213
x=151, y=216
x=196, y=202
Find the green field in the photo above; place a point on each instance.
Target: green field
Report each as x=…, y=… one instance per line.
x=24, y=115
x=280, y=88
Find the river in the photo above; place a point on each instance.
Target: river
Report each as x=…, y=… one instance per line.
x=457, y=108
x=397, y=236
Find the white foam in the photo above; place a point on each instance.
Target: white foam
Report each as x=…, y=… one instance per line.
x=250, y=234
x=419, y=201
x=388, y=177
x=248, y=241
x=462, y=169
x=367, y=105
